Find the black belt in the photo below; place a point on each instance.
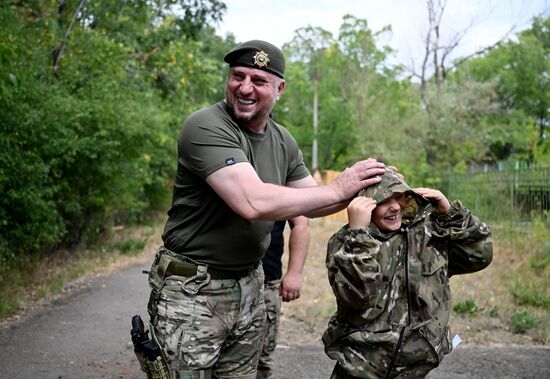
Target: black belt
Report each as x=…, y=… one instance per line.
x=190, y=269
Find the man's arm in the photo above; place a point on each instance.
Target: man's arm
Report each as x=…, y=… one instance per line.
x=298, y=244
x=241, y=188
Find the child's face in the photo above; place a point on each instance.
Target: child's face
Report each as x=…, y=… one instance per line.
x=387, y=216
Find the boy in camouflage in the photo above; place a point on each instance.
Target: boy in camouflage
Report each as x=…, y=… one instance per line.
x=391, y=279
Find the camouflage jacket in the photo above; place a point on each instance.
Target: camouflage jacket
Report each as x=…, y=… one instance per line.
x=392, y=289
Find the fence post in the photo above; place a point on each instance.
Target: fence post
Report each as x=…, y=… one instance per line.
x=513, y=192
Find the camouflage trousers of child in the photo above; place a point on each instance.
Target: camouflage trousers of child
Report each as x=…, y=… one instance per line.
x=209, y=328
x=273, y=311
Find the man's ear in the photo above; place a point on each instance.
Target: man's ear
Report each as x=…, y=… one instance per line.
x=280, y=88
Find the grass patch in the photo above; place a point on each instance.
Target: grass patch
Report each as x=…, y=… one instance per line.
x=467, y=306
x=8, y=306
x=41, y=293
x=541, y=258
x=530, y=294
x=131, y=246
x=522, y=321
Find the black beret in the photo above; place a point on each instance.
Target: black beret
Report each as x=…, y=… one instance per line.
x=257, y=54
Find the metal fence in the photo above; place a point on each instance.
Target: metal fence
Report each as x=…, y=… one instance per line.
x=514, y=194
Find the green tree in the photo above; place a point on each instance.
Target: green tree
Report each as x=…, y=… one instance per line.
x=521, y=72
x=309, y=46
x=353, y=83
x=93, y=96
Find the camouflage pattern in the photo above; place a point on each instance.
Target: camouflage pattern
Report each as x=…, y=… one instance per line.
x=391, y=183
x=156, y=369
x=216, y=332
x=273, y=310
x=392, y=289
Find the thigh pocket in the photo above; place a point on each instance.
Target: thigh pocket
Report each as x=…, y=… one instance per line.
x=216, y=303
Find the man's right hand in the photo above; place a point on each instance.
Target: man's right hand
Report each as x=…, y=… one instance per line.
x=353, y=179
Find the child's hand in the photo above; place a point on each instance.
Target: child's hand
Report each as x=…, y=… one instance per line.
x=359, y=211
x=442, y=204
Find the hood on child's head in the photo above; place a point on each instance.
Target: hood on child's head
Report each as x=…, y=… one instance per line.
x=391, y=183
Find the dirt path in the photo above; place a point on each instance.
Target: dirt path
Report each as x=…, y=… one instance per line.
x=86, y=335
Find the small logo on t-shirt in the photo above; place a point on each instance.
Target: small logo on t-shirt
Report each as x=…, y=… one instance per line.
x=230, y=161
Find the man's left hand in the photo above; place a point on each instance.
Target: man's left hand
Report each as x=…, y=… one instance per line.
x=291, y=286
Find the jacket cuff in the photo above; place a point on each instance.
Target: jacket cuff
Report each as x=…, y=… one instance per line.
x=354, y=238
x=355, y=232
x=451, y=214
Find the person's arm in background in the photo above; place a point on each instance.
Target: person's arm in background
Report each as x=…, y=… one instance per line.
x=298, y=244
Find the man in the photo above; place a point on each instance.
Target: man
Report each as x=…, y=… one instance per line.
x=288, y=288
x=238, y=170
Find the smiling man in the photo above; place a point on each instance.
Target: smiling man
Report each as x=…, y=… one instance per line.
x=238, y=171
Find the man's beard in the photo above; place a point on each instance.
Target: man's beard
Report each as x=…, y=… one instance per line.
x=247, y=120
x=243, y=120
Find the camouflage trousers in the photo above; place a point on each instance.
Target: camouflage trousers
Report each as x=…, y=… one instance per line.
x=215, y=333
x=273, y=311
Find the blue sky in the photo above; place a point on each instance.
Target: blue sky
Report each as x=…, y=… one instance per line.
x=487, y=20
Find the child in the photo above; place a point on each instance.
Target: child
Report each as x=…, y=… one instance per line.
x=391, y=279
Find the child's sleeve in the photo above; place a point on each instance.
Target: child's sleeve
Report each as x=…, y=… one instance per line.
x=470, y=244
x=353, y=270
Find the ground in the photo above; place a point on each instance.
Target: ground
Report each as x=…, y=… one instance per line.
x=84, y=331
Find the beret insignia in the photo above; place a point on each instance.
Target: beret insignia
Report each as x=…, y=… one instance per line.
x=261, y=59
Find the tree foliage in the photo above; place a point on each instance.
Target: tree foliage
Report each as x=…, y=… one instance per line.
x=521, y=71
x=93, y=94
x=487, y=108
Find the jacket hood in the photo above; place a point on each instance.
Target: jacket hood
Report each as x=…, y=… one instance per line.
x=392, y=183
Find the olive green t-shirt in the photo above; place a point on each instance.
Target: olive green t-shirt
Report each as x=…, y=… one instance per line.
x=200, y=224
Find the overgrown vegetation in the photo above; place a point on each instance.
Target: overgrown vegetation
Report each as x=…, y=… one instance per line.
x=487, y=109
x=518, y=292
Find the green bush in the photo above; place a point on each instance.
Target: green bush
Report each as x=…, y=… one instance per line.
x=91, y=145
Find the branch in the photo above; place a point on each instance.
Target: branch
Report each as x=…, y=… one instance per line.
x=61, y=49
x=485, y=49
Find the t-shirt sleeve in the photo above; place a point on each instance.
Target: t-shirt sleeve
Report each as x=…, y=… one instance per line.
x=207, y=144
x=297, y=169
